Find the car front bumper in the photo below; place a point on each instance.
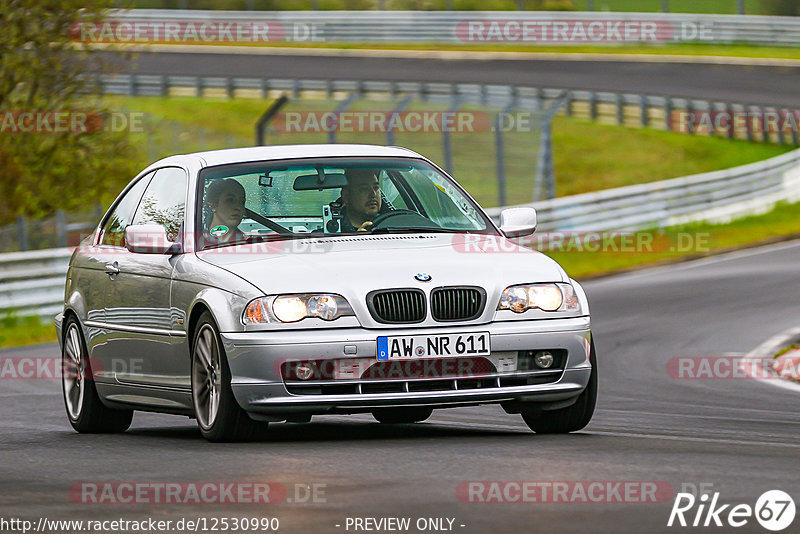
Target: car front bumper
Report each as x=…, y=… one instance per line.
x=255, y=360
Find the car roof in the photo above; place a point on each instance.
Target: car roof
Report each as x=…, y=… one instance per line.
x=277, y=152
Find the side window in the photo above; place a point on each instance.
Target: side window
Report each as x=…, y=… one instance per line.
x=121, y=217
x=164, y=201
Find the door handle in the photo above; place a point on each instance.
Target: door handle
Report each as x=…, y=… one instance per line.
x=112, y=269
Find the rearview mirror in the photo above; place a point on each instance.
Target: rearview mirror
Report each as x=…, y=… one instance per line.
x=149, y=239
x=518, y=222
x=318, y=182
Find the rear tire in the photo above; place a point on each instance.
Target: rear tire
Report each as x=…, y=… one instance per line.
x=398, y=416
x=218, y=415
x=571, y=418
x=86, y=412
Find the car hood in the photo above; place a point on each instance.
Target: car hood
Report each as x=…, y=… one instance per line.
x=355, y=265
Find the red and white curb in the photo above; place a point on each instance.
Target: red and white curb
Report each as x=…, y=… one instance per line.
x=764, y=352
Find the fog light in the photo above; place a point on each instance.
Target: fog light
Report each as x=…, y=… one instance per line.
x=304, y=371
x=543, y=359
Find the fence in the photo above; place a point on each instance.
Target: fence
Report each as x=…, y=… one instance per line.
x=60, y=230
x=454, y=26
x=685, y=115
x=628, y=109
x=33, y=282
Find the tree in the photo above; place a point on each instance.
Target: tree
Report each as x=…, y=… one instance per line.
x=46, y=165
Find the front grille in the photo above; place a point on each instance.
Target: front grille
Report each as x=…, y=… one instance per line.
x=496, y=381
x=457, y=303
x=394, y=306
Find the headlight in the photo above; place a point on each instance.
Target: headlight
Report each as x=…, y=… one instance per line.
x=293, y=308
x=547, y=297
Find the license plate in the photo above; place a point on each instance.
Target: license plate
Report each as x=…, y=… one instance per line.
x=438, y=346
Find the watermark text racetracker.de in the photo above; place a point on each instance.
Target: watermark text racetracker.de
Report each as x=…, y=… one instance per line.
x=69, y=121
x=732, y=368
x=416, y=122
x=54, y=367
x=564, y=492
x=736, y=122
x=208, y=31
x=149, y=525
x=203, y=492
x=600, y=30
x=568, y=241
x=601, y=241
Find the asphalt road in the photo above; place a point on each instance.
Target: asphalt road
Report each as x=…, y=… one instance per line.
x=739, y=435
x=767, y=85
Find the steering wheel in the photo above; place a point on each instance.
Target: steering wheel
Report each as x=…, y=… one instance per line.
x=402, y=218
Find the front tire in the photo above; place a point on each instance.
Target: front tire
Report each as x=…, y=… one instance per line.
x=399, y=416
x=86, y=412
x=218, y=415
x=571, y=418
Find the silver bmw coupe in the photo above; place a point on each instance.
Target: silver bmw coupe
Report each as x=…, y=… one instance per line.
x=247, y=286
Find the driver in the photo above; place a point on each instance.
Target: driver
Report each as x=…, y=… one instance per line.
x=361, y=198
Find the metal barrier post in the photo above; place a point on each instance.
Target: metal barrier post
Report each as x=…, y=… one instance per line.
x=264, y=120
x=668, y=114
x=729, y=111
x=22, y=233
x=149, y=131
x=500, y=154
x=61, y=228
x=446, y=145
x=399, y=108
x=346, y=103
x=176, y=138
x=545, y=169
x=644, y=111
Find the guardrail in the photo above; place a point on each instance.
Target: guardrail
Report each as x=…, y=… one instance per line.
x=548, y=27
x=33, y=282
x=718, y=196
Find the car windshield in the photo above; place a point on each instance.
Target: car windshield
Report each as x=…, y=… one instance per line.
x=248, y=202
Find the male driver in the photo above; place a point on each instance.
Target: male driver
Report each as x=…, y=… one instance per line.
x=361, y=198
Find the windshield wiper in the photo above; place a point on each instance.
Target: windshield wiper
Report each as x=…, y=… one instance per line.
x=284, y=237
x=263, y=238
x=416, y=230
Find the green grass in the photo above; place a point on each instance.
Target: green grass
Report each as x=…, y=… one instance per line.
x=588, y=156
x=665, y=49
x=16, y=331
x=784, y=350
x=781, y=223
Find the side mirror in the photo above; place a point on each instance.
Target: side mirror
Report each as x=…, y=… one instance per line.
x=518, y=222
x=149, y=239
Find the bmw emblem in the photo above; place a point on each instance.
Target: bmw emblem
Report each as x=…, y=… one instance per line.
x=423, y=277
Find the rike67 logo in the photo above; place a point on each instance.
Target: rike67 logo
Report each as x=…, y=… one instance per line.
x=774, y=510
